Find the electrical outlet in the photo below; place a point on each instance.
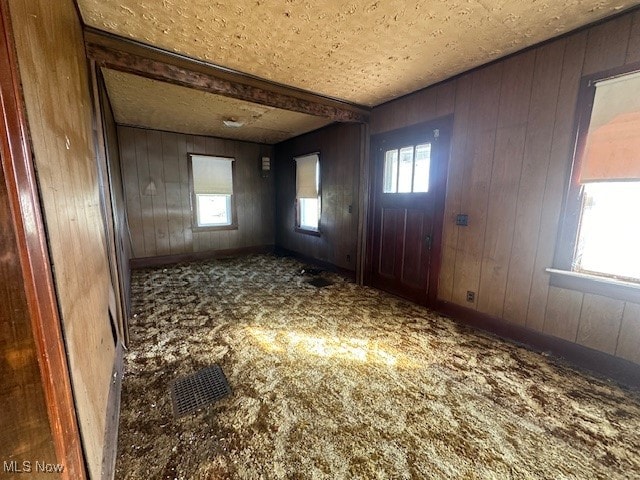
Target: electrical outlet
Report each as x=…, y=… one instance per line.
x=471, y=296
x=350, y=209
x=462, y=219
x=348, y=258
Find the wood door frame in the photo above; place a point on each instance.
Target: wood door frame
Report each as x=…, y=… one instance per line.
x=35, y=263
x=444, y=125
x=108, y=206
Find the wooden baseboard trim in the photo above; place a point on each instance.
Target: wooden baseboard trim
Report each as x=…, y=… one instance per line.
x=614, y=368
x=148, y=262
x=283, y=252
x=110, y=451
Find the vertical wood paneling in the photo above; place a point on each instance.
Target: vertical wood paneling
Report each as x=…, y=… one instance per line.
x=483, y=182
x=422, y=106
x=445, y=98
x=455, y=174
x=53, y=67
x=563, y=313
x=556, y=177
x=159, y=200
x=481, y=134
x=165, y=219
x=633, y=48
x=607, y=45
x=629, y=342
x=185, y=145
x=131, y=187
x=339, y=147
x=505, y=174
x=171, y=168
x=146, y=200
x=544, y=98
x=600, y=322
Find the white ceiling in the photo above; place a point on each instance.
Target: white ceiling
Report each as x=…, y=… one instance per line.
x=361, y=51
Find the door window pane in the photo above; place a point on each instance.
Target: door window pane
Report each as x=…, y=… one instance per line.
x=405, y=170
x=390, y=171
x=421, y=172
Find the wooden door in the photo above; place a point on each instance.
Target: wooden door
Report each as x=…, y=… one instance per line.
x=409, y=175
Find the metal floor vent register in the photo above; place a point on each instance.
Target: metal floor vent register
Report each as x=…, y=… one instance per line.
x=199, y=389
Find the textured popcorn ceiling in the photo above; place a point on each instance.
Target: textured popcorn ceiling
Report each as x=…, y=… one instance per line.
x=149, y=103
x=363, y=51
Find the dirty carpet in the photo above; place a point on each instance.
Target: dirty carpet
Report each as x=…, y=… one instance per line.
x=346, y=382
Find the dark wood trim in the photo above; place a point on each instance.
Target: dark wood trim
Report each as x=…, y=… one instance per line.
x=124, y=294
x=284, y=252
x=126, y=55
x=150, y=262
x=445, y=125
x=573, y=195
x=363, y=203
x=34, y=258
x=603, y=364
x=570, y=219
x=598, y=285
x=107, y=203
x=109, y=453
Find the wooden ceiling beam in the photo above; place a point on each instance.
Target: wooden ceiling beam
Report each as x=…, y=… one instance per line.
x=117, y=53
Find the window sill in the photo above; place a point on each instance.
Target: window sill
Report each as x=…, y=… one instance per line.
x=313, y=233
x=214, y=229
x=608, y=287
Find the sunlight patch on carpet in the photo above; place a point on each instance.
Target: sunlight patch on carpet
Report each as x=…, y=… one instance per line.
x=350, y=349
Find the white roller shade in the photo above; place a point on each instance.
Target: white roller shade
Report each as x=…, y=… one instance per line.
x=212, y=175
x=307, y=176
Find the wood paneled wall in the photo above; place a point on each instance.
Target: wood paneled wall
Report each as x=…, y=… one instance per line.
x=25, y=434
x=55, y=81
x=339, y=147
x=161, y=224
x=510, y=156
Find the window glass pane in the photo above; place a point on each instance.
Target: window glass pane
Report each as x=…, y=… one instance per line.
x=405, y=172
x=422, y=163
x=609, y=235
x=214, y=210
x=390, y=184
x=309, y=213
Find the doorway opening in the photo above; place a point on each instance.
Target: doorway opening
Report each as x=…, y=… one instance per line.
x=407, y=195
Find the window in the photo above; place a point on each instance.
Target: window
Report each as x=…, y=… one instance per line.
x=308, y=192
x=212, y=191
x=406, y=170
x=600, y=233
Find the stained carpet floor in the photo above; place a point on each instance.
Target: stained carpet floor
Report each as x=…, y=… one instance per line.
x=347, y=382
